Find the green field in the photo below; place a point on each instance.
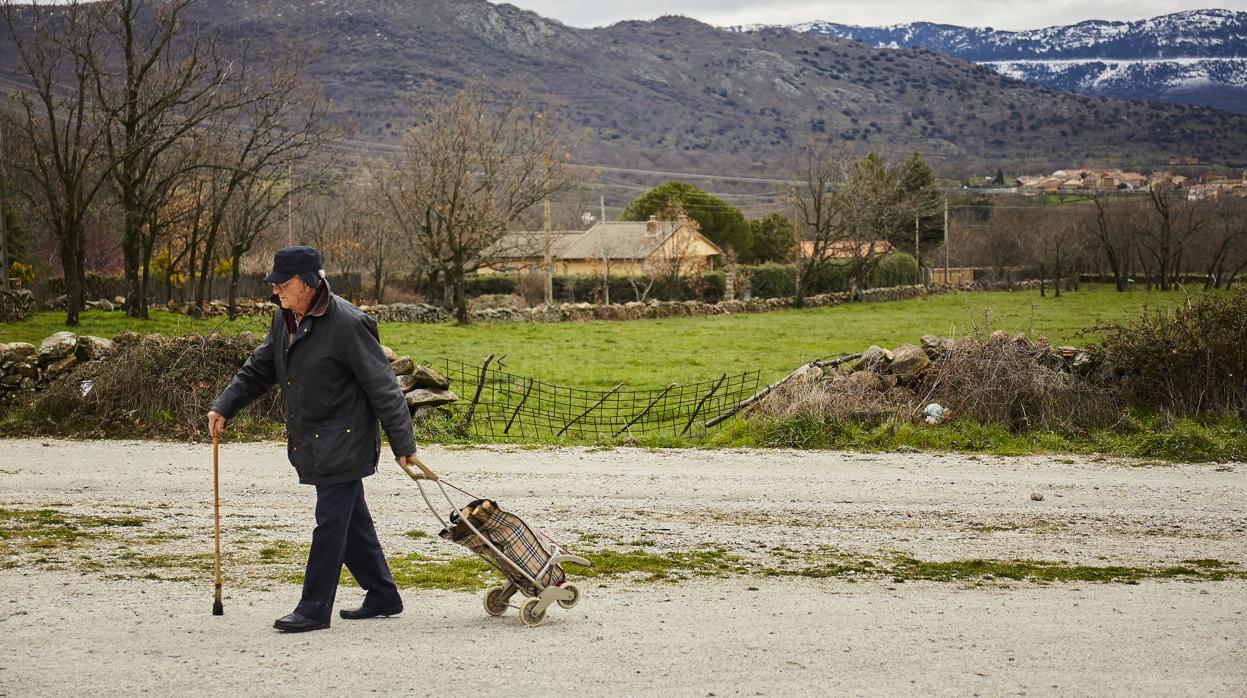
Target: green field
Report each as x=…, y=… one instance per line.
x=646, y=353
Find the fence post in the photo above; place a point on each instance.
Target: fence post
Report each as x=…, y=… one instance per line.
x=647, y=409
x=592, y=407
x=697, y=410
x=524, y=399
x=467, y=419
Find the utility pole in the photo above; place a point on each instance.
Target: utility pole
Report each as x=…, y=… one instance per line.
x=946, y=281
x=289, y=206
x=917, y=251
x=549, y=261
x=4, y=230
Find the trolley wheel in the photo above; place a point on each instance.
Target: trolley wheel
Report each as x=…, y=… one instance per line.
x=575, y=599
x=527, y=616
x=495, y=604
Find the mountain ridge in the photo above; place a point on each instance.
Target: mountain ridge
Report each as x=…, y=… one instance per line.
x=1194, y=57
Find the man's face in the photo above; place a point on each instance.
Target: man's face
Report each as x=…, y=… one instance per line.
x=294, y=294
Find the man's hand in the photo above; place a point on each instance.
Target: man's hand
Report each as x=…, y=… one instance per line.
x=414, y=467
x=216, y=424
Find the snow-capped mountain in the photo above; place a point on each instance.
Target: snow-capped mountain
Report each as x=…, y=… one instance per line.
x=1196, y=57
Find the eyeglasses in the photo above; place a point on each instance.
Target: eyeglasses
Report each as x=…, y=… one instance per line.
x=278, y=288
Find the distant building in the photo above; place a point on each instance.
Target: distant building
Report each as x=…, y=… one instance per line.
x=844, y=249
x=630, y=248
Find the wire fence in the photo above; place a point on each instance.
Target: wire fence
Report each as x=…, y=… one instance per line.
x=501, y=405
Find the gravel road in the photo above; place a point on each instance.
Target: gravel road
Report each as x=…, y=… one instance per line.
x=129, y=611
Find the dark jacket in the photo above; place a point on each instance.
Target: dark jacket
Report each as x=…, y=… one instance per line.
x=335, y=384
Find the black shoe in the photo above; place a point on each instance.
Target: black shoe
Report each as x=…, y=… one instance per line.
x=365, y=612
x=299, y=623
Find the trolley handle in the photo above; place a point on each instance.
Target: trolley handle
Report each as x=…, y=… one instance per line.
x=424, y=474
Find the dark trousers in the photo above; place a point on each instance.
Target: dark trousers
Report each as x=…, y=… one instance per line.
x=344, y=535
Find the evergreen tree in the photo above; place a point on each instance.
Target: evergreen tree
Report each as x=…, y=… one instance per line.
x=721, y=222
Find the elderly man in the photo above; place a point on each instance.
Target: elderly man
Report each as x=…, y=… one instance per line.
x=325, y=355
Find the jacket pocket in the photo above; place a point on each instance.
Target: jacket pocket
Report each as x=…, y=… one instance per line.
x=335, y=447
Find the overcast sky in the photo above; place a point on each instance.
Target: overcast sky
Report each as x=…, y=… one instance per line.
x=999, y=14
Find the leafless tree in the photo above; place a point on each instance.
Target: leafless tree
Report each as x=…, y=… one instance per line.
x=276, y=132
x=467, y=174
x=820, y=223
x=1222, y=242
x=58, y=159
x=155, y=82
x=1053, y=238
x=1174, y=222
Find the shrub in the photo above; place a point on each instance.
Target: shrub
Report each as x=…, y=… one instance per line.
x=772, y=280
x=1002, y=383
x=1186, y=361
x=159, y=386
x=489, y=285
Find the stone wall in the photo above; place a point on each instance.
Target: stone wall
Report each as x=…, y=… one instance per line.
x=25, y=368
x=16, y=305
x=583, y=312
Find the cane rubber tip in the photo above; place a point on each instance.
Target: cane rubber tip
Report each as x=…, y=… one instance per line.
x=217, y=609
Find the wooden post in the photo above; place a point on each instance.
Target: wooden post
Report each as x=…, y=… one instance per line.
x=761, y=394
x=548, y=260
x=946, y=240
x=697, y=410
x=592, y=407
x=480, y=384
x=647, y=409
x=524, y=399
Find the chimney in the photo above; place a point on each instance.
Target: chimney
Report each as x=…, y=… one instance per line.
x=651, y=226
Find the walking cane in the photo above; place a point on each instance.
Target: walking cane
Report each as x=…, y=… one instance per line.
x=217, y=608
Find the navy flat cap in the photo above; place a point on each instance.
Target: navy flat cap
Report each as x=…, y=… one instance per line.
x=291, y=261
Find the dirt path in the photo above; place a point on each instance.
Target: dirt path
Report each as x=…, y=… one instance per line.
x=79, y=613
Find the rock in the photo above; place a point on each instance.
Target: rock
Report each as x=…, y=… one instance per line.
x=119, y=301
x=390, y=354
x=872, y=359
x=1083, y=363
x=864, y=380
x=887, y=381
x=406, y=383
x=193, y=310
x=907, y=361
x=998, y=338
x=172, y=306
x=90, y=347
x=105, y=304
x=425, y=377
x=60, y=366
x=7, y=354
x=11, y=379
x=1036, y=496
x=807, y=372
x=1022, y=341
x=403, y=366
x=58, y=346
x=127, y=338
x=1067, y=352
x=431, y=398
x=930, y=345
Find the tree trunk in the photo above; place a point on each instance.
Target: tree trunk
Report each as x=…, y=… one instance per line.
x=73, y=261
x=461, y=303
x=233, y=285
x=131, y=249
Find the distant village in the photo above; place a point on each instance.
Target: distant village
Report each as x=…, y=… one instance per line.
x=1208, y=185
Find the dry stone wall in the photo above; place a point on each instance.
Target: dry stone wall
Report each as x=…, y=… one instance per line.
x=27, y=369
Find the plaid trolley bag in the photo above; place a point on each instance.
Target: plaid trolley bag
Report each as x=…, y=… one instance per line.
x=531, y=565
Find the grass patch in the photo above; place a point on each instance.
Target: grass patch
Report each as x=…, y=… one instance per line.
x=1044, y=571
x=596, y=355
x=1152, y=437
x=47, y=529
